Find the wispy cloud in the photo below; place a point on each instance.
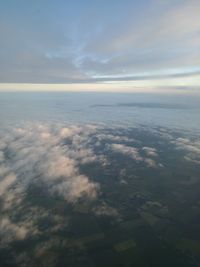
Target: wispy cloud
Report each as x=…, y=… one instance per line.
x=191, y=147
x=84, y=44
x=135, y=154
x=126, y=150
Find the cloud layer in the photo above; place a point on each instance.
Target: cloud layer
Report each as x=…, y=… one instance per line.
x=49, y=158
x=42, y=164
x=79, y=43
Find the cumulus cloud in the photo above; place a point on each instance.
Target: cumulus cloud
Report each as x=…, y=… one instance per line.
x=50, y=159
x=113, y=138
x=135, y=154
x=106, y=210
x=10, y=231
x=40, y=152
x=150, y=151
x=27, y=226
x=150, y=162
x=47, y=156
x=1, y=156
x=191, y=148
x=3, y=170
x=68, y=132
x=77, y=187
x=127, y=150
x=6, y=183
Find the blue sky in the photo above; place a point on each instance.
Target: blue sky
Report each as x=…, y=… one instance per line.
x=139, y=42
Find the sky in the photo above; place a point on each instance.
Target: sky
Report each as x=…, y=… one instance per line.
x=99, y=45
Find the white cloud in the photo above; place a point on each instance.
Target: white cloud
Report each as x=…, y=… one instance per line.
x=6, y=183
x=106, y=210
x=150, y=151
x=135, y=154
x=10, y=231
x=163, y=36
x=166, y=37
x=1, y=156
x=3, y=170
x=191, y=147
x=40, y=152
x=51, y=156
x=127, y=150
x=113, y=138
x=41, y=155
x=79, y=186
x=150, y=162
x=68, y=132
